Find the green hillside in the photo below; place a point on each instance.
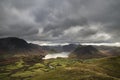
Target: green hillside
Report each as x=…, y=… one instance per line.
x=62, y=69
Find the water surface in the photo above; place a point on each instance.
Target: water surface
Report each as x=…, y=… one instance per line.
x=55, y=55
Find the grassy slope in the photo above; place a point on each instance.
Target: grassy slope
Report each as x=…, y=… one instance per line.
x=64, y=69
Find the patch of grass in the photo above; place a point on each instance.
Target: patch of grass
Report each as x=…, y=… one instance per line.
x=63, y=69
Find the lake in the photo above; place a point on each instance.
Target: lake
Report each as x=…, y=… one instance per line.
x=55, y=55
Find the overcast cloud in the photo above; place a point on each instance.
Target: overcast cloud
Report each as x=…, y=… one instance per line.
x=61, y=20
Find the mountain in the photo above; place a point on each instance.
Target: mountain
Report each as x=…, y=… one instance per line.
x=86, y=52
x=70, y=47
x=109, y=50
x=59, y=48
x=13, y=46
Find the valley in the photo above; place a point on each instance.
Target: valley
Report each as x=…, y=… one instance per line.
x=20, y=60
x=59, y=39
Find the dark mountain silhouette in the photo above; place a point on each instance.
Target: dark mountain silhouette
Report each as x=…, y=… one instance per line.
x=86, y=52
x=59, y=48
x=109, y=50
x=16, y=46
x=53, y=49
x=70, y=47
x=13, y=43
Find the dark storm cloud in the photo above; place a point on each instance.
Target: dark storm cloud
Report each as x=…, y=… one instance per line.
x=18, y=30
x=61, y=20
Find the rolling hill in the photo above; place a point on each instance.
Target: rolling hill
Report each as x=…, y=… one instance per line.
x=63, y=69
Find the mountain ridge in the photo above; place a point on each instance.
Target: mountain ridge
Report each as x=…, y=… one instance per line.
x=85, y=52
x=17, y=46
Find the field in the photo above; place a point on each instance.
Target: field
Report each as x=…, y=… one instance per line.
x=62, y=69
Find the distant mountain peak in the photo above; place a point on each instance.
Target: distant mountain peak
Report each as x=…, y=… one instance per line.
x=86, y=49
x=86, y=52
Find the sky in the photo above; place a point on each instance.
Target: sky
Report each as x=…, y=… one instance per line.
x=85, y=21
